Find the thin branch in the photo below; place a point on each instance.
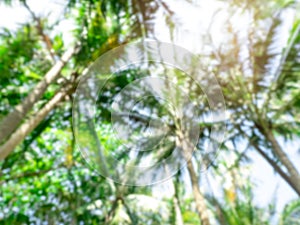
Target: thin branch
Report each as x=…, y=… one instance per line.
x=29, y=174
x=133, y=218
x=41, y=32
x=166, y=7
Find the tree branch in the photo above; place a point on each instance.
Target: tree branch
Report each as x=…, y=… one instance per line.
x=19, y=135
x=290, y=178
x=28, y=174
x=293, y=173
x=41, y=32
x=10, y=123
x=275, y=167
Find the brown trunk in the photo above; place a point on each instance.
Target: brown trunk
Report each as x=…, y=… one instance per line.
x=176, y=203
x=178, y=215
x=288, y=164
x=10, y=123
x=19, y=135
x=291, y=175
x=277, y=168
x=187, y=148
x=199, y=198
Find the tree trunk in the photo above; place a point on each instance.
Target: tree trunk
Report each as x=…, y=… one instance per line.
x=178, y=213
x=199, y=198
x=187, y=147
x=276, y=167
x=19, y=135
x=293, y=173
x=10, y=123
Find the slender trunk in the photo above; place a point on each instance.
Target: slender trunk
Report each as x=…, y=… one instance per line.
x=100, y=158
x=199, y=198
x=187, y=148
x=110, y=214
x=293, y=173
x=291, y=176
x=19, y=135
x=277, y=168
x=10, y=123
x=178, y=213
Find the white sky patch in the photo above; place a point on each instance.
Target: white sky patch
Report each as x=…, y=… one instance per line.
x=192, y=22
x=13, y=17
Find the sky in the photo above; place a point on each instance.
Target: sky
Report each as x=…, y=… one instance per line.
x=193, y=24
